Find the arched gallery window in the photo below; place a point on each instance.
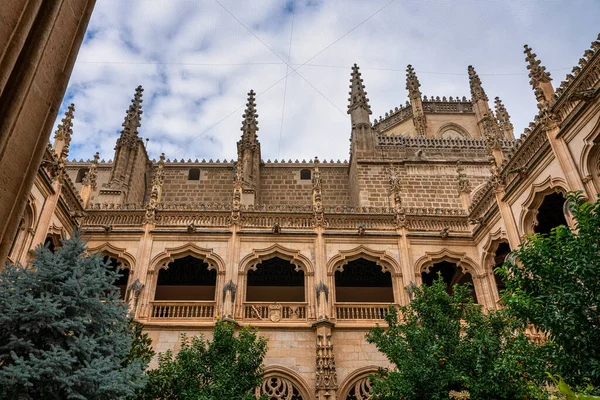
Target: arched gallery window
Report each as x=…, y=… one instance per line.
x=363, y=281
x=550, y=213
x=451, y=274
x=499, y=257
x=361, y=390
x=186, y=278
x=122, y=280
x=275, y=279
x=81, y=174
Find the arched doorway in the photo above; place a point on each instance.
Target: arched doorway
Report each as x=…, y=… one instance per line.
x=451, y=274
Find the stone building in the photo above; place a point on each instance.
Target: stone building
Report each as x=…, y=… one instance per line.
x=313, y=252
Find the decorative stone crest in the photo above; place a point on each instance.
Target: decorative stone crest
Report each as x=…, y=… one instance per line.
x=326, y=376
x=238, y=186
x=319, y=219
x=464, y=186
x=275, y=312
x=91, y=175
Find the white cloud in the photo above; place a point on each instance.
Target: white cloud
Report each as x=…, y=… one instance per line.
x=196, y=63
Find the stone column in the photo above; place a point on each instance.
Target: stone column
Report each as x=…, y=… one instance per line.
x=46, y=215
x=39, y=41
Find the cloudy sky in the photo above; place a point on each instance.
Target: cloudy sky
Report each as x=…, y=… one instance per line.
x=197, y=59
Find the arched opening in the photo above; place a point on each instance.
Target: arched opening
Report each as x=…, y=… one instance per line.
x=361, y=390
x=81, y=174
x=186, y=278
x=275, y=279
x=23, y=231
x=499, y=257
x=276, y=387
x=363, y=281
x=550, y=213
x=123, y=279
x=194, y=174
x=451, y=274
x=305, y=174
x=52, y=242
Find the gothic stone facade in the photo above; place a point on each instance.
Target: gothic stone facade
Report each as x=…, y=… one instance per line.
x=313, y=252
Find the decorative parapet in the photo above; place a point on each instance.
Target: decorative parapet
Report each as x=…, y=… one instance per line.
x=422, y=142
x=443, y=106
x=393, y=117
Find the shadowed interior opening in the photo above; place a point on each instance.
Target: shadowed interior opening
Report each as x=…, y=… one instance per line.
x=450, y=274
x=275, y=279
x=187, y=278
x=363, y=281
x=551, y=213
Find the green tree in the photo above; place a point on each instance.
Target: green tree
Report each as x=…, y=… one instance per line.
x=445, y=342
x=228, y=367
x=553, y=282
x=64, y=332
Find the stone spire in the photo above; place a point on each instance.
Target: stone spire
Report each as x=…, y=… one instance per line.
x=133, y=120
x=358, y=108
x=249, y=151
x=477, y=92
x=249, y=123
x=539, y=77
x=414, y=94
x=62, y=137
x=412, y=83
x=506, y=127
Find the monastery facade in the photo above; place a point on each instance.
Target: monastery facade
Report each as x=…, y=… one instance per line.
x=314, y=252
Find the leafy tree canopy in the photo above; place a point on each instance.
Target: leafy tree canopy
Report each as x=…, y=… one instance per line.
x=228, y=367
x=553, y=282
x=64, y=332
x=445, y=342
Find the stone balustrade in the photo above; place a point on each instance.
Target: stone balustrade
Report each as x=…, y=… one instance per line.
x=178, y=310
x=361, y=311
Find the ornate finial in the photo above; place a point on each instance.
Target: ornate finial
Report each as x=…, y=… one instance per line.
x=506, y=127
x=65, y=128
x=250, y=121
x=477, y=92
x=412, y=82
x=537, y=72
x=358, y=95
x=159, y=176
x=92, y=174
x=64, y=131
x=133, y=118
x=317, y=195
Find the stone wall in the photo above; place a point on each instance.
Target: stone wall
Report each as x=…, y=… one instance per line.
x=423, y=185
x=139, y=179
x=214, y=186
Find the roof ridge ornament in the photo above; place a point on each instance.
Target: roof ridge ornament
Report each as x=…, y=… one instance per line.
x=537, y=72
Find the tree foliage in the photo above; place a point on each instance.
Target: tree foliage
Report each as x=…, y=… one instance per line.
x=553, y=282
x=228, y=367
x=64, y=332
x=445, y=342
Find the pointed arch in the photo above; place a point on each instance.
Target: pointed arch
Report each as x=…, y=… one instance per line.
x=589, y=160
x=287, y=374
x=451, y=126
x=529, y=208
x=380, y=257
x=462, y=261
x=126, y=260
x=295, y=257
x=492, y=242
x=163, y=259
x=353, y=378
